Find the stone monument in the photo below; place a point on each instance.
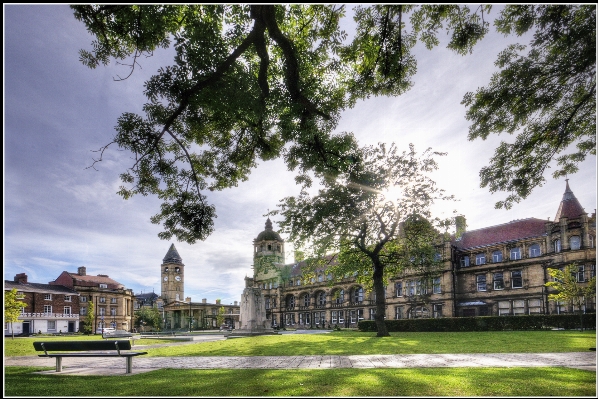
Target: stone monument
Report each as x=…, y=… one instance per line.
x=253, y=313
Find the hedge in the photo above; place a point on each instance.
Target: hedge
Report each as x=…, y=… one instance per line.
x=485, y=323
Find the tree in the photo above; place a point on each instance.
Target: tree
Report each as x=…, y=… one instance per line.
x=358, y=217
x=220, y=316
x=569, y=290
x=149, y=317
x=88, y=322
x=546, y=96
x=12, y=308
x=253, y=82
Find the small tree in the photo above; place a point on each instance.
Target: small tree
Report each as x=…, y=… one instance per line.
x=149, y=316
x=569, y=290
x=89, y=320
x=220, y=316
x=12, y=308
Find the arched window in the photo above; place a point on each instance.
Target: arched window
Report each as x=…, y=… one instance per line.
x=358, y=294
x=320, y=278
x=322, y=298
x=515, y=253
x=497, y=256
x=534, y=250
x=291, y=301
x=340, y=297
x=557, y=245
x=574, y=242
x=480, y=259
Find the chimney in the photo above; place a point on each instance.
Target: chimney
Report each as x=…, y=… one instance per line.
x=204, y=300
x=21, y=278
x=82, y=271
x=461, y=226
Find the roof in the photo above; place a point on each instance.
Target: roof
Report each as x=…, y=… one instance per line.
x=38, y=287
x=512, y=231
x=268, y=234
x=100, y=279
x=172, y=256
x=570, y=207
x=150, y=296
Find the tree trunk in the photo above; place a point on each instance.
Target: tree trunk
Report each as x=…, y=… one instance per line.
x=379, y=317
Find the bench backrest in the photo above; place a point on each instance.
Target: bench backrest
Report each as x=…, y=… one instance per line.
x=82, y=345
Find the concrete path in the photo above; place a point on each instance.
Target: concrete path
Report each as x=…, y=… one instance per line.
x=141, y=364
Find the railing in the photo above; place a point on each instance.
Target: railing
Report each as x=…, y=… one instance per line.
x=48, y=316
x=336, y=305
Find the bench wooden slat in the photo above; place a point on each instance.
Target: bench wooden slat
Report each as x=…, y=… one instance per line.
x=123, y=344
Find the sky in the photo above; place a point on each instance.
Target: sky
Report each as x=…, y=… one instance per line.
x=60, y=214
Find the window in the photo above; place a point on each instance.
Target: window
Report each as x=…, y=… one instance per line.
x=399, y=288
x=534, y=306
x=177, y=269
x=329, y=276
x=112, y=311
x=592, y=271
x=83, y=311
x=298, y=281
x=320, y=278
x=519, y=307
x=497, y=256
x=574, y=242
x=437, y=257
x=48, y=297
x=534, y=250
x=22, y=310
x=480, y=259
x=322, y=298
x=340, y=298
x=103, y=285
x=591, y=241
x=341, y=316
x=557, y=245
x=67, y=310
x=437, y=311
x=465, y=261
x=306, y=300
x=516, y=279
x=481, y=281
x=498, y=281
x=51, y=325
x=580, y=274
x=561, y=307
x=411, y=287
x=515, y=253
x=47, y=309
x=267, y=302
x=291, y=302
x=83, y=299
x=102, y=299
x=504, y=308
x=67, y=298
x=334, y=316
x=398, y=312
x=102, y=311
x=372, y=313
x=436, y=285
x=358, y=295
x=112, y=300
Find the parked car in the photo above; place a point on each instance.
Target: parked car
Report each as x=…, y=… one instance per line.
x=105, y=330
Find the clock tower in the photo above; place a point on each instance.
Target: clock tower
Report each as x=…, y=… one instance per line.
x=172, y=276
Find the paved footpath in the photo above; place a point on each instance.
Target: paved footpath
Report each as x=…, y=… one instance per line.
x=141, y=364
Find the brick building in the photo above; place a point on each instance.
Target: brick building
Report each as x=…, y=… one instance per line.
x=113, y=303
x=48, y=308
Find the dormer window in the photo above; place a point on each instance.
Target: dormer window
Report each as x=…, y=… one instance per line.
x=515, y=253
x=496, y=256
x=465, y=261
x=103, y=285
x=575, y=242
x=480, y=259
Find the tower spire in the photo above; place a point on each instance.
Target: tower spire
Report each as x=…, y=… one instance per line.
x=570, y=206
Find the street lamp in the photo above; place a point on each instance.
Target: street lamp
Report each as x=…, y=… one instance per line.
x=190, y=319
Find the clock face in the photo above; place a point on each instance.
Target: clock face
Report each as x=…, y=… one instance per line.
x=178, y=278
x=165, y=278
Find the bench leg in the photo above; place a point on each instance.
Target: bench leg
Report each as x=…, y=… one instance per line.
x=129, y=364
x=58, y=364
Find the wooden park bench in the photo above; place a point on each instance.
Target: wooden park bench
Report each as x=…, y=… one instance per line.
x=93, y=349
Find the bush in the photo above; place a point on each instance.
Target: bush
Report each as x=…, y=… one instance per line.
x=484, y=323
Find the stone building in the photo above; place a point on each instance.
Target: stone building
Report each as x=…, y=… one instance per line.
x=185, y=314
x=496, y=270
x=112, y=302
x=48, y=308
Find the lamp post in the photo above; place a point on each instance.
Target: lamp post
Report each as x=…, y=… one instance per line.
x=190, y=319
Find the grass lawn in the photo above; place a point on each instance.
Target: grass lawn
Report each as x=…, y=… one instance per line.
x=544, y=381
x=357, y=343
